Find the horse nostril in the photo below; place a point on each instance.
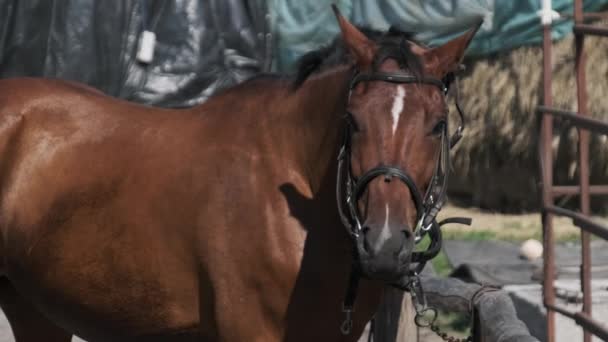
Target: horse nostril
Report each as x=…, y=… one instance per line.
x=407, y=245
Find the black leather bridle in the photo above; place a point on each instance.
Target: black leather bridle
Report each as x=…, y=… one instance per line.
x=349, y=189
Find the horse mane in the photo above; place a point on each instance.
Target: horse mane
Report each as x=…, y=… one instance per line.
x=391, y=44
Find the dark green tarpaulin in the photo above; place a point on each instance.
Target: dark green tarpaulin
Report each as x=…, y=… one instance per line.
x=202, y=46
x=301, y=26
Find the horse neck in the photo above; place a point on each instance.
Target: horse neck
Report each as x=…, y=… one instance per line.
x=319, y=109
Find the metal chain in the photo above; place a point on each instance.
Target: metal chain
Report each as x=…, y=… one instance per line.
x=426, y=316
x=447, y=337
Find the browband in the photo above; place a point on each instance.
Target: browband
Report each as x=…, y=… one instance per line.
x=397, y=78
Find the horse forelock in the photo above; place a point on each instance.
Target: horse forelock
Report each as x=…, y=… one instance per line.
x=394, y=44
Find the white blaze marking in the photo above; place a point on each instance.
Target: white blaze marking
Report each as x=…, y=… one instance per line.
x=397, y=107
x=385, y=234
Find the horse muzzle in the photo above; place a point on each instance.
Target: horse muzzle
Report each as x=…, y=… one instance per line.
x=382, y=257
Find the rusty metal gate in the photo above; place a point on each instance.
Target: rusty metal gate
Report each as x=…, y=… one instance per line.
x=585, y=125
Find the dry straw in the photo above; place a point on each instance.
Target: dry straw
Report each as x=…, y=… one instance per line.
x=496, y=163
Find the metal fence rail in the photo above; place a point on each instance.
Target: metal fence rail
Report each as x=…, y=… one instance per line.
x=585, y=125
x=581, y=221
x=583, y=320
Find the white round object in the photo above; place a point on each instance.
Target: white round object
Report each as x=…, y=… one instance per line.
x=531, y=250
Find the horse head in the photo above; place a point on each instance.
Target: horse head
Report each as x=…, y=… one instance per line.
x=395, y=156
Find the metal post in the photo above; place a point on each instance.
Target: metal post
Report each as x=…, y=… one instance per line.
x=546, y=158
x=583, y=146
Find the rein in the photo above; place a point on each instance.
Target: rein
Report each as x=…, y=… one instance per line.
x=349, y=189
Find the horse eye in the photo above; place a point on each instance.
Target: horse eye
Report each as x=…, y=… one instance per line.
x=439, y=128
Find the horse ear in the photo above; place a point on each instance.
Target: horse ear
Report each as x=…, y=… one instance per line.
x=358, y=44
x=441, y=60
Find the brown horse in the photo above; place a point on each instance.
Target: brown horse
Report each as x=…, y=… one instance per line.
x=121, y=222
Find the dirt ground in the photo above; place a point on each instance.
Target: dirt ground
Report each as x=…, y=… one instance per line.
x=512, y=227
